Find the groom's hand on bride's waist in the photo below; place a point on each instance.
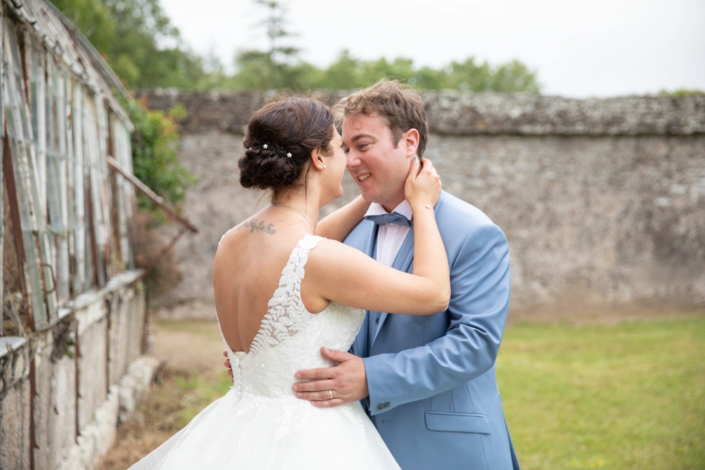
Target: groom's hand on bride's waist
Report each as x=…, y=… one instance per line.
x=345, y=383
x=227, y=364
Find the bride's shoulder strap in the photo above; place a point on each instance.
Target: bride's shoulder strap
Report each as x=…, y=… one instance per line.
x=299, y=256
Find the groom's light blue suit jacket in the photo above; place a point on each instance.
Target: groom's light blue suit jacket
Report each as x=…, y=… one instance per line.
x=433, y=395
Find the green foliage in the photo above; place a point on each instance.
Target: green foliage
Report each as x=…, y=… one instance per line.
x=611, y=397
x=145, y=50
x=259, y=70
x=348, y=72
x=154, y=144
x=128, y=34
x=514, y=77
x=92, y=18
x=277, y=67
x=682, y=92
x=280, y=67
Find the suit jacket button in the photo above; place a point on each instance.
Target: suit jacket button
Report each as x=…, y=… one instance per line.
x=386, y=405
x=380, y=407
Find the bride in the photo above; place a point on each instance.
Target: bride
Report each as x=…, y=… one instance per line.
x=285, y=286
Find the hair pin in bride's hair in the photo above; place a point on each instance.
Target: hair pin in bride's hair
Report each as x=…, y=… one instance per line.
x=288, y=155
x=264, y=146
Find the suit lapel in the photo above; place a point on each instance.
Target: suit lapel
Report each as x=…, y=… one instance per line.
x=371, y=250
x=371, y=240
x=402, y=262
x=367, y=242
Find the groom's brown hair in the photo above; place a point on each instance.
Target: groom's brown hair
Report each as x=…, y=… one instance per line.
x=399, y=104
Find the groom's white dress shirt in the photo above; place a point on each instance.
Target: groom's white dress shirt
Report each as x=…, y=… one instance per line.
x=391, y=236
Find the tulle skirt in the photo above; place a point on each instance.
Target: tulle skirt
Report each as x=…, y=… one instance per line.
x=262, y=433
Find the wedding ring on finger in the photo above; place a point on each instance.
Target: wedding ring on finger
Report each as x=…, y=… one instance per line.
x=330, y=392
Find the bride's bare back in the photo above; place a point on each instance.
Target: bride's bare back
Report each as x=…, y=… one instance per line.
x=246, y=272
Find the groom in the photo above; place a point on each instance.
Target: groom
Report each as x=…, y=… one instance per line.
x=427, y=382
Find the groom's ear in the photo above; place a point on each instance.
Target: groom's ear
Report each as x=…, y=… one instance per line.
x=410, y=139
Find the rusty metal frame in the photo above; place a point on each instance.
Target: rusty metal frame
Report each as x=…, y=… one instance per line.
x=155, y=198
x=169, y=210
x=77, y=384
x=3, y=132
x=11, y=187
x=35, y=249
x=115, y=203
x=93, y=244
x=32, y=393
x=22, y=46
x=42, y=279
x=108, y=328
x=53, y=278
x=115, y=221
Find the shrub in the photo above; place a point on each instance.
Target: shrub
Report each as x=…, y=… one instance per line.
x=154, y=144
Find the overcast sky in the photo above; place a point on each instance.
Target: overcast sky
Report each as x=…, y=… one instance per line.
x=579, y=48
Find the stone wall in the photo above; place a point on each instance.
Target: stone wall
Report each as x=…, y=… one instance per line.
x=455, y=113
x=70, y=385
x=602, y=200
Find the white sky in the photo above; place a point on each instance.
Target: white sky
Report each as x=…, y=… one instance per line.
x=579, y=48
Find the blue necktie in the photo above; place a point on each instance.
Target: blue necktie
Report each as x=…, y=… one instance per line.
x=393, y=218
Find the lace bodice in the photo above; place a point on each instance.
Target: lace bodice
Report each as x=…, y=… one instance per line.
x=260, y=424
x=290, y=338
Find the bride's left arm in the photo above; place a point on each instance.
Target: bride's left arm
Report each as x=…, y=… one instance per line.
x=340, y=223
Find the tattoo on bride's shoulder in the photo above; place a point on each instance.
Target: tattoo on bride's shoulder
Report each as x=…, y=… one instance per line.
x=259, y=227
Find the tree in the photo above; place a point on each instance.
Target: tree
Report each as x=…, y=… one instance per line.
x=345, y=73
x=146, y=51
x=514, y=77
x=274, y=23
x=278, y=66
x=128, y=34
x=92, y=18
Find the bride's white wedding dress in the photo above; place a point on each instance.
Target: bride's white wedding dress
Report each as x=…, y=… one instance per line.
x=260, y=424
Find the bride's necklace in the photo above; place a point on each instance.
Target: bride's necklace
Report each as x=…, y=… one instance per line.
x=293, y=209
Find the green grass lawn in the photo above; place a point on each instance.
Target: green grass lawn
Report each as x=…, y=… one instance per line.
x=628, y=396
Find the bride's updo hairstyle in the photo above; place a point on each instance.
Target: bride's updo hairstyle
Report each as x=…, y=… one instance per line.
x=279, y=140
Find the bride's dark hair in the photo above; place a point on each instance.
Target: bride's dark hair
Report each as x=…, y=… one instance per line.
x=279, y=140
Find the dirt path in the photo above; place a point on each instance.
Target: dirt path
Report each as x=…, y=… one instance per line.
x=192, y=376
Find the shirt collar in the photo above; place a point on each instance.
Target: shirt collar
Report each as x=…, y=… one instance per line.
x=404, y=209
